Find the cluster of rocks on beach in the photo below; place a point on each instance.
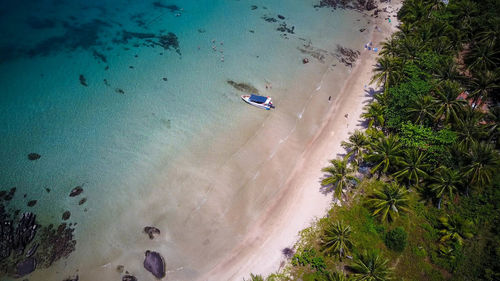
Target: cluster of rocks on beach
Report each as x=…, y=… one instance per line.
x=25, y=244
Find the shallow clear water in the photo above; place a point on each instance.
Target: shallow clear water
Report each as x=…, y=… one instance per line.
x=148, y=114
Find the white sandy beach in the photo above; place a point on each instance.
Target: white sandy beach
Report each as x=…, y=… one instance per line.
x=300, y=202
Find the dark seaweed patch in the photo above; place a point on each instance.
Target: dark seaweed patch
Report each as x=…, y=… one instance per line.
x=172, y=8
x=99, y=56
x=37, y=23
x=83, y=36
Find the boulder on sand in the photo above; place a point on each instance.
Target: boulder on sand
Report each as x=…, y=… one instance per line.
x=26, y=267
x=151, y=231
x=155, y=264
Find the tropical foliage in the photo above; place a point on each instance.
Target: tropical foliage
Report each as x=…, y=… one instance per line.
x=431, y=144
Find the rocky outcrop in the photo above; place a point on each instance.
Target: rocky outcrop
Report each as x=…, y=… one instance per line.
x=66, y=215
x=348, y=4
x=244, y=87
x=129, y=278
x=25, y=267
x=76, y=191
x=151, y=231
x=347, y=56
x=155, y=264
x=34, y=156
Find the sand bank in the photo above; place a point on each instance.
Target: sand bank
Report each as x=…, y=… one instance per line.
x=300, y=202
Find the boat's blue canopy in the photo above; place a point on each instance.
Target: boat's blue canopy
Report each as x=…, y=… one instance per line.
x=258, y=99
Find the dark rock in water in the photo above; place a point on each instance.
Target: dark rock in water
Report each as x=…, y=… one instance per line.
x=99, y=56
x=247, y=88
x=284, y=28
x=55, y=244
x=106, y=82
x=151, y=231
x=155, y=264
x=107, y=67
x=165, y=79
x=32, y=250
x=269, y=19
x=32, y=203
x=362, y=29
x=281, y=17
x=48, y=190
x=119, y=91
x=305, y=60
x=120, y=268
x=370, y=5
x=131, y=67
x=253, y=7
x=83, y=81
x=26, y=267
x=76, y=191
x=66, y=215
x=82, y=201
x=72, y=278
x=34, y=156
x=2, y=193
x=169, y=41
x=172, y=8
x=25, y=195
x=10, y=195
x=129, y=278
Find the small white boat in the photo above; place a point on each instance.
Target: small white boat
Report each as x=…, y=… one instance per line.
x=258, y=101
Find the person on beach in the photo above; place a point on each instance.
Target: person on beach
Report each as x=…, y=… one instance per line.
x=329, y=98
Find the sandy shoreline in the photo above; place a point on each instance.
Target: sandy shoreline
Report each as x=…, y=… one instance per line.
x=297, y=205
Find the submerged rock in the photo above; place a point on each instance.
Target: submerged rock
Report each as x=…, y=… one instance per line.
x=26, y=267
x=31, y=203
x=82, y=201
x=151, y=231
x=244, y=87
x=305, y=60
x=155, y=264
x=83, y=81
x=66, y=215
x=72, y=278
x=129, y=278
x=34, y=156
x=76, y=191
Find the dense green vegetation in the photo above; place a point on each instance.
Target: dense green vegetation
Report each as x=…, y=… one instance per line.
x=427, y=206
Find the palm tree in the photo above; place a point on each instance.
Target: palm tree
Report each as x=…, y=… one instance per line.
x=483, y=162
x=413, y=166
x=482, y=57
x=387, y=71
x=358, y=143
x=469, y=126
x=454, y=229
x=414, y=11
x=389, y=201
x=374, y=114
x=446, y=101
x=390, y=47
x=422, y=110
x=336, y=239
x=385, y=153
x=334, y=276
x=256, y=277
x=482, y=84
x=447, y=71
x=445, y=183
x=340, y=176
x=370, y=266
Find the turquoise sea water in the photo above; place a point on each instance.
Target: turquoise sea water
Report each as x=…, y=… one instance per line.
x=147, y=102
